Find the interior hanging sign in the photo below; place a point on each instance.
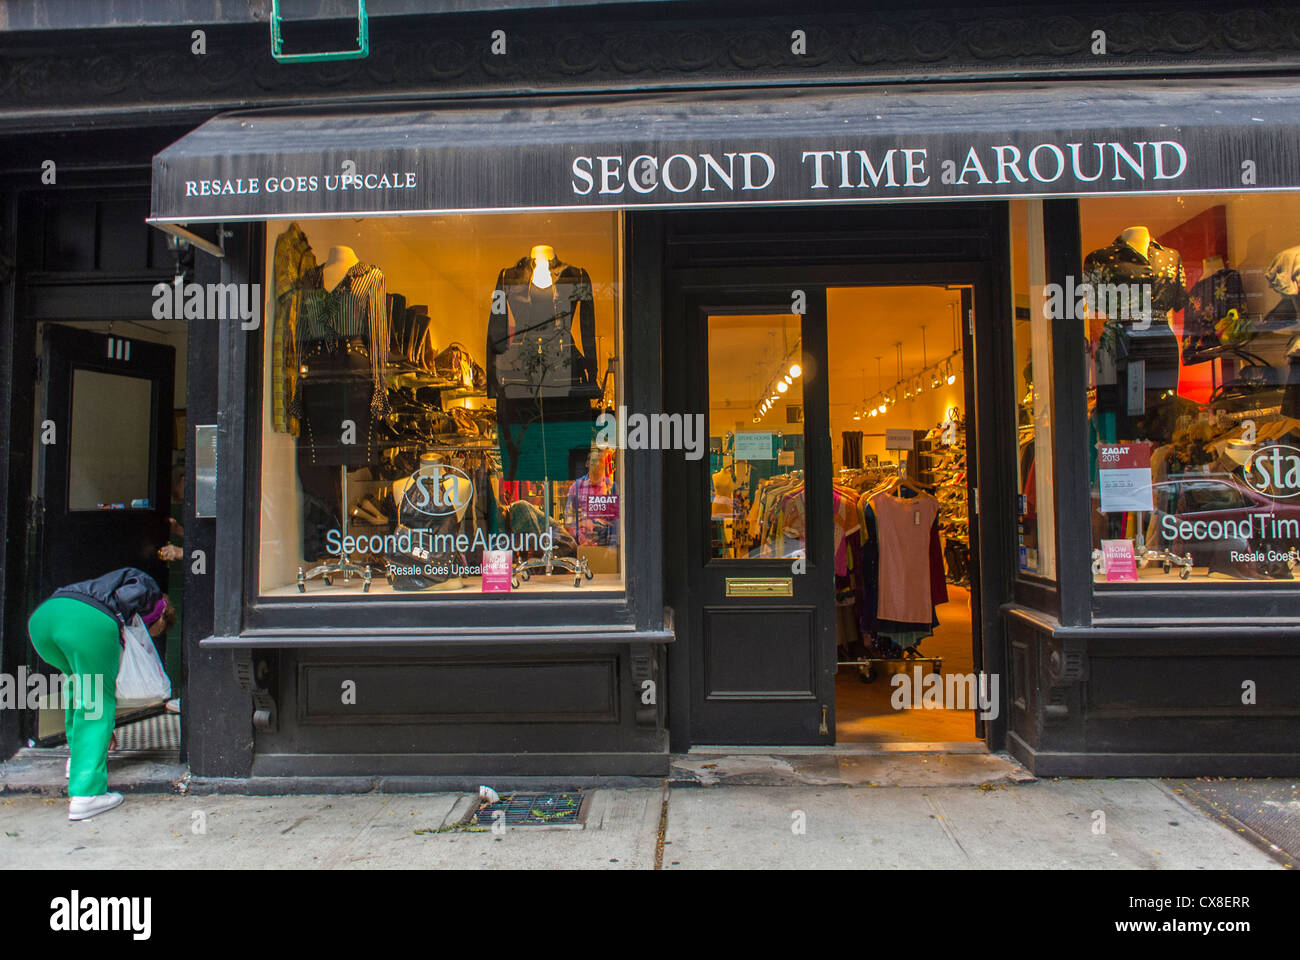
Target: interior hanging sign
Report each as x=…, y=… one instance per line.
x=754, y=446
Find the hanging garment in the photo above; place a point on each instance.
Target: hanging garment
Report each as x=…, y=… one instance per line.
x=844, y=514
x=293, y=261
x=852, y=453
x=531, y=351
x=354, y=313
x=1207, y=303
x=334, y=406
x=904, y=529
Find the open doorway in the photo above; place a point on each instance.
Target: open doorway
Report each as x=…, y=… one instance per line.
x=906, y=633
x=108, y=475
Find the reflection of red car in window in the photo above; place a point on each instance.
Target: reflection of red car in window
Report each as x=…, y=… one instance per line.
x=1211, y=516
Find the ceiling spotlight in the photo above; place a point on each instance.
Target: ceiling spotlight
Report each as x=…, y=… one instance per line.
x=873, y=411
x=795, y=370
x=934, y=379
x=857, y=413
x=788, y=379
x=782, y=386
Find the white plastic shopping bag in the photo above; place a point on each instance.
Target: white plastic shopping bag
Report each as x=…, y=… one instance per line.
x=141, y=679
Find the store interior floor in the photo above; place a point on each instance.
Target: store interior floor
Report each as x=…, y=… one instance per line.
x=863, y=713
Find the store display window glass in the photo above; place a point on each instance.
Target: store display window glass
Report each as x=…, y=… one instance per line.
x=1189, y=304
x=1032, y=330
x=439, y=404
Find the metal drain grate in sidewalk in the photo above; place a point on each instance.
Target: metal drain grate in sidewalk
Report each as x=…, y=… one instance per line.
x=532, y=810
x=162, y=732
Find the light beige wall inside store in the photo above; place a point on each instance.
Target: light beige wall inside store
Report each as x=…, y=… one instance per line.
x=866, y=322
x=450, y=264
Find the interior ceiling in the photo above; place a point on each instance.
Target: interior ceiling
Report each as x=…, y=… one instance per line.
x=862, y=323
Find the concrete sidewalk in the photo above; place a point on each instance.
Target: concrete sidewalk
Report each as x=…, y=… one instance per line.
x=1002, y=824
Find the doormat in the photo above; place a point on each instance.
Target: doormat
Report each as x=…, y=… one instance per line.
x=162, y=732
x=532, y=810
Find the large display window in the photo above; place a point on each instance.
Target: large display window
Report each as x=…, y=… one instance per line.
x=1032, y=333
x=1190, y=308
x=433, y=388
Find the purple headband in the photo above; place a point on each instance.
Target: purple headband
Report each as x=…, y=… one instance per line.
x=152, y=616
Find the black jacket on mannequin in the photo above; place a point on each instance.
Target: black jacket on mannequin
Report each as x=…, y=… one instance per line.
x=531, y=351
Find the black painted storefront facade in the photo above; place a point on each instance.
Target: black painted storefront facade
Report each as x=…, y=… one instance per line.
x=1099, y=683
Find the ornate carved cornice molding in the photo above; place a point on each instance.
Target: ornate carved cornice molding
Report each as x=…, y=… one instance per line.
x=46, y=81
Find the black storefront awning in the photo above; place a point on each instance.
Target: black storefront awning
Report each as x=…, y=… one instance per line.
x=786, y=146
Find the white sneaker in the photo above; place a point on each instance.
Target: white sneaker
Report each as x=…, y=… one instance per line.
x=67, y=769
x=173, y=706
x=83, y=808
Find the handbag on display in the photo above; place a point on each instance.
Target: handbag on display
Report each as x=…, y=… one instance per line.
x=456, y=363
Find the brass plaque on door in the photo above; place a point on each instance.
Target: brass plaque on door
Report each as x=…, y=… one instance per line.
x=760, y=586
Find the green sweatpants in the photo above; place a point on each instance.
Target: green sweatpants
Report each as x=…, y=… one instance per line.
x=82, y=642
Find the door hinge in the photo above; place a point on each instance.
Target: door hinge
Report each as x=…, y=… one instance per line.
x=970, y=321
x=37, y=369
x=976, y=492
x=823, y=729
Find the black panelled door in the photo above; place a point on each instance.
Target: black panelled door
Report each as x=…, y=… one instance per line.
x=104, y=449
x=760, y=549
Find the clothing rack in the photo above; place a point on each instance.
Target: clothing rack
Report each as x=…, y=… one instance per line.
x=867, y=665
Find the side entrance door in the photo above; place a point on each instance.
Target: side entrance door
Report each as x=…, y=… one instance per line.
x=757, y=509
x=104, y=448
